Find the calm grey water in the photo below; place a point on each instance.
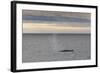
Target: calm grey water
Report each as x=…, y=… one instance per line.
x=47, y=47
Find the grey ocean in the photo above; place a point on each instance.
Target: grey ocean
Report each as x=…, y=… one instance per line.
x=47, y=47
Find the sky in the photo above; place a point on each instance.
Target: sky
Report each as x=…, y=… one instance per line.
x=35, y=21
